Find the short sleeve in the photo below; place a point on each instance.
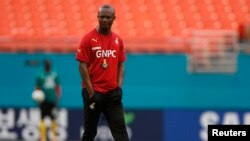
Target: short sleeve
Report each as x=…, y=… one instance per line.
x=57, y=81
x=122, y=55
x=83, y=51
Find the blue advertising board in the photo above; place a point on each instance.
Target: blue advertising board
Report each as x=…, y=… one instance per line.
x=192, y=125
x=22, y=124
x=142, y=125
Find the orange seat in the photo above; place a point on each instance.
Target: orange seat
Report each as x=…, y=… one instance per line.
x=146, y=26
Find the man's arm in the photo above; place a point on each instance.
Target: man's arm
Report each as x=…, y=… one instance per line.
x=120, y=73
x=84, y=71
x=58, y=91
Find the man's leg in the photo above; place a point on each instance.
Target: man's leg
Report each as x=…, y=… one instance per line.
x=42, y=125
x=115, y=116
x=42, y=128
x=91, y=118
x=53, y=127
x=53, y=116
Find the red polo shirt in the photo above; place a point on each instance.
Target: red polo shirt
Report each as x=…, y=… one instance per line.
x=97, y=49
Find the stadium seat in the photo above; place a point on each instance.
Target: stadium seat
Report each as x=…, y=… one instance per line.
x=145, y=25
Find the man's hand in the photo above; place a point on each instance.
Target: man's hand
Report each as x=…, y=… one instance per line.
x=91, y=93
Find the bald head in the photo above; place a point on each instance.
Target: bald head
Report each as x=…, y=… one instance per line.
x=107, y=7
x=47, y=65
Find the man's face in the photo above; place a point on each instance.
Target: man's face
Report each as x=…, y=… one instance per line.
x=106, y=17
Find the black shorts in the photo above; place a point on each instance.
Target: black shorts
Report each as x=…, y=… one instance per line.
x=47, y=109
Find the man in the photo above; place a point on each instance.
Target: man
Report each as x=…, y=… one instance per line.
x=101, y=59
x=48, y=82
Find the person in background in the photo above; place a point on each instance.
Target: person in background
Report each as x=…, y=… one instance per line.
x=244, y=37
x=48, y=82
x=101, y=58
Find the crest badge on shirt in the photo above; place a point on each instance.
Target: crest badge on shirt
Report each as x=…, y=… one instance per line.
x=116, y=41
